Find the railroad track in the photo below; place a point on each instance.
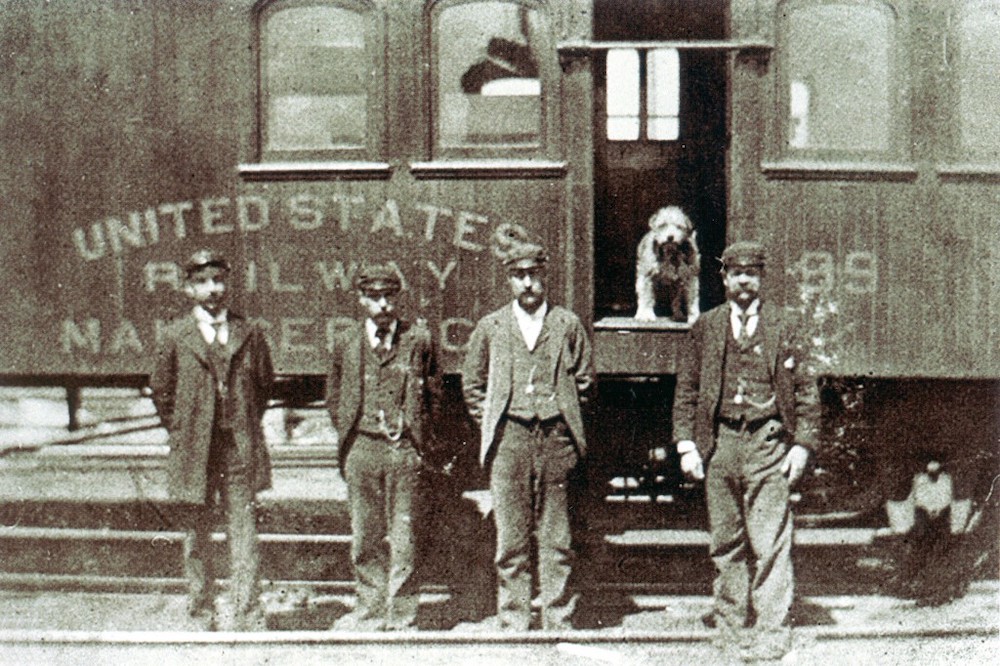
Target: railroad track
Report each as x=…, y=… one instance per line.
x=657, y=629
x=91, y=573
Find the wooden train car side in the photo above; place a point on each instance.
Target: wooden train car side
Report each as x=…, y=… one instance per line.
x=137, y=131
x=876, y=180
x=301, y=137
x=156, y=128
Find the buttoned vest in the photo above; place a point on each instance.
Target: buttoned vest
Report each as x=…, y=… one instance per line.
x=383, y=393
x=747, y=390
x=218, y=357
x=533, y=391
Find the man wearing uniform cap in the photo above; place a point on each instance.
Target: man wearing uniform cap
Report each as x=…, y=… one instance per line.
x=526, y=370
x=744, y=421
x=211, y=385
x=381, y=391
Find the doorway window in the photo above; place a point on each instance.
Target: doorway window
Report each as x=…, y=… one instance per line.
x=643, y=94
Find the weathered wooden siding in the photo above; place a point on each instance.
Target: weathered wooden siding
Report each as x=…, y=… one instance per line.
x=109, y=109
x=906, y=249
x=130, y=133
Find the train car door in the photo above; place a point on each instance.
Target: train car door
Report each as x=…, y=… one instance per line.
x=659, y=137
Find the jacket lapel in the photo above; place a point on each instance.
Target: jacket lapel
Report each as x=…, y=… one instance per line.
x=397, y=340
x=508, y=329
x=548, y=322
x=354, y=359
x=195, y=341
x=239, y=333
x=719, y=335
x=768, y=326
x=715, y=348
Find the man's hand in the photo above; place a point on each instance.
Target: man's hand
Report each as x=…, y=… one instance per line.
x=691, y=465
x=795, y=463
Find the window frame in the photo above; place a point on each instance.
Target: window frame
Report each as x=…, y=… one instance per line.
x=640, y=115
x=900, y=95
x=373, y=145
x=959, y=151
x=644, y=77
x=548, y=73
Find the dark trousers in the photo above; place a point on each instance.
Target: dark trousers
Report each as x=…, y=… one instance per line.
x=382, y=480
x=528, y=480
x=229, y=488
x=751, y=534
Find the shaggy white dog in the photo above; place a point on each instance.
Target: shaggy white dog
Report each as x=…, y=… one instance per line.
x=667, y=267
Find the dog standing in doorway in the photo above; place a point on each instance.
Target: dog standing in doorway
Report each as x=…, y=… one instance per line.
x=667, y=268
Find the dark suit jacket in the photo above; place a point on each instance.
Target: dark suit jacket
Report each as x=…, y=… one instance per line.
x=487, y=372
x=183, y=385
x=699, y=379
x=413, y=348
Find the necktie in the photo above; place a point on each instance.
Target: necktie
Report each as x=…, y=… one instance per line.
x=218, y=351
x=382, y=335
x=744, y=333
x=217, y=327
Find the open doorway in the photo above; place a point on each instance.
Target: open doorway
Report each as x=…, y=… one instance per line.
x=660, y=140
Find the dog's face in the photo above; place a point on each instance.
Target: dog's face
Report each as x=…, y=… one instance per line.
x=671, y=229
x=667, y=266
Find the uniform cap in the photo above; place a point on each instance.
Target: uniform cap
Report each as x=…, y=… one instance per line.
x=205, y=258
x=378, y=277
x=513, y=247
x=744, y=253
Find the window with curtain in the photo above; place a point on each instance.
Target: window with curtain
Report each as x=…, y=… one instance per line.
x=489, y=78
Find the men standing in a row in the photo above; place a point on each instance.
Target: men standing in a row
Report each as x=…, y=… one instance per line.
x=379, y=395
x=744, y=419
x=211, y=386
x=527, y=368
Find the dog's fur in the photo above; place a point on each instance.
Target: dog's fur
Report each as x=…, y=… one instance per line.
x=667, y=268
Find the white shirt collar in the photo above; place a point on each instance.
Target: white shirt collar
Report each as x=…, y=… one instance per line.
x=371, y=328
x=530, y=323
x=751, y=311
x=203, y=316
x=209, y=325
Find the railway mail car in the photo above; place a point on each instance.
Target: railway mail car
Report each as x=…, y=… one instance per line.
x=301, y=137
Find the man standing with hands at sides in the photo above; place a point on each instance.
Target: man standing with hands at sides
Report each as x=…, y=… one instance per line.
x=527, y=368
x=380, y=395
x=744, y=421
x=210, y=386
